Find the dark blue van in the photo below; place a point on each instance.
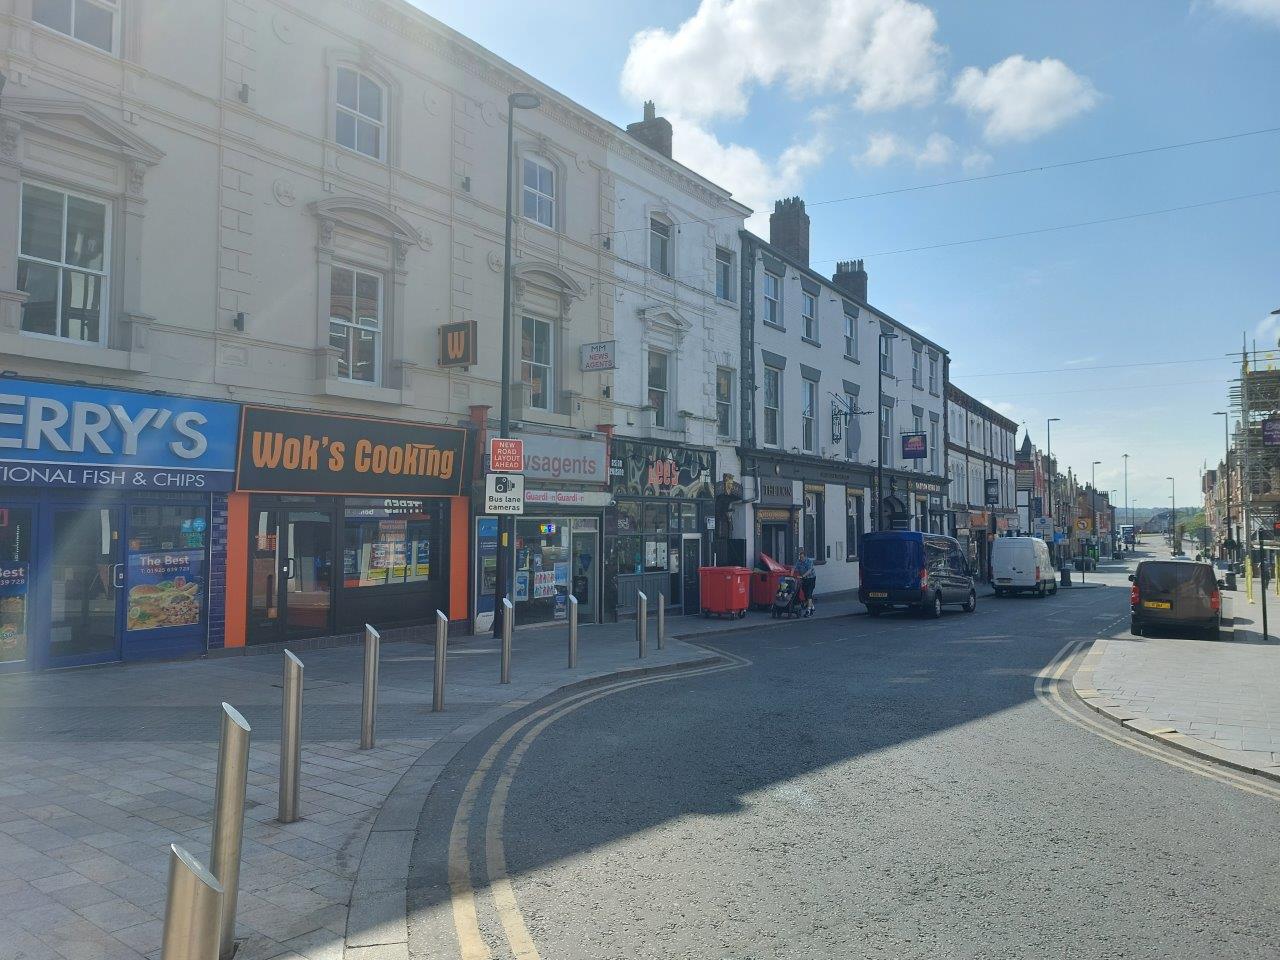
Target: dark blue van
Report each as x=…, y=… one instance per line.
x=919, y=571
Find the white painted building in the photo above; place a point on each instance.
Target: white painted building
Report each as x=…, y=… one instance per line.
x=824, y=372
x=981, y=450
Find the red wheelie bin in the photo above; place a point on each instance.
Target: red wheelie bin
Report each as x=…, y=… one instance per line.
x=724, y=591
x=765, y=579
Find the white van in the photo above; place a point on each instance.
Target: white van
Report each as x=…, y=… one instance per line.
x=1022, y=564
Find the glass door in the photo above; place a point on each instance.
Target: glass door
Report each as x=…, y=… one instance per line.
x=290, y=573
x=691, y=549
x=86, y=577
x=586, y=561
x=16, y=537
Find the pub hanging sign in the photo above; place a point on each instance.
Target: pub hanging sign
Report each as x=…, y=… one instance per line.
x=459, y=344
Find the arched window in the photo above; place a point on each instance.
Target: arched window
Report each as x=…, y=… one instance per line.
x=360, y=118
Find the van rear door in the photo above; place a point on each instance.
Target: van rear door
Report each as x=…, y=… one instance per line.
x=891, y=563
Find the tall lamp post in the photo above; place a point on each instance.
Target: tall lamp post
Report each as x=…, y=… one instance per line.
x=1048, y=453
x=1173, y=500
x=1127, y=509
x=884, y=441
x=1093, y=499
x=515, y=101
x=1226, y=469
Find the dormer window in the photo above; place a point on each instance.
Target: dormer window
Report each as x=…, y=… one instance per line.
x=538, y=193
x=360, y=120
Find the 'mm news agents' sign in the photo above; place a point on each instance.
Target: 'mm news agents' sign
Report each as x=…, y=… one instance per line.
x=65, y=435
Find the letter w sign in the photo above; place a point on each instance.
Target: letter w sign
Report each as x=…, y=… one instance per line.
x=458, y=344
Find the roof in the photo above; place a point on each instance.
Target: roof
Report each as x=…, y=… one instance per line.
x=969, y=402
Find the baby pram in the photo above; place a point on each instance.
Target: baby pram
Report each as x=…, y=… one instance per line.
x=790, y=600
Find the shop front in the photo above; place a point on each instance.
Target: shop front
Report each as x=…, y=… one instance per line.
x=111, y=545
x=340, y=521
x=557, y=551
x=658, y=530
x=931, y=508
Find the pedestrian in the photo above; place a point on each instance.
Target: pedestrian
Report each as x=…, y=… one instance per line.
x=803, y=571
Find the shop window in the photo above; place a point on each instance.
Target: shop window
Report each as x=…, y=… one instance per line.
x=815, y=525
x=360, y=118
x=89, y=21
x=537, y=368
x=63, y=264
x=772, y=406
x=642, y=543
x=853, y=524
x=167, y=566
x=724, y=402
x=355, y=322
x=538, y=192
x=659, y=386
x=391, y=542
x=15, y=579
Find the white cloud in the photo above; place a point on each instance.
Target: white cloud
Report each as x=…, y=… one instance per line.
x=883, y=148
x=883, y=51
x=976, y=161
x=751, y=178
x=1266, y=10
x=1022, y=98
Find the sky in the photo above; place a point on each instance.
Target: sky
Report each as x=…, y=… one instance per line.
x=1121, y=329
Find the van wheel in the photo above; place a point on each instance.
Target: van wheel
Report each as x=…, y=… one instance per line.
x=971, y=604
x=1135, y=628
x=874, y=611
x=934, y=610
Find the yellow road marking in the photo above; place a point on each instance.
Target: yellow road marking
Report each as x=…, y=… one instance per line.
x=1048, y=693
x=471, y=941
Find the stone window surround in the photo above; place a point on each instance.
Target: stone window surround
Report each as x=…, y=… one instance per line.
x=654, y=212
x=353, y=216
x=545, y=291
x=125, y=30
x=664, y=329
x=363, y=61
x=123, y=346
x=541, y=149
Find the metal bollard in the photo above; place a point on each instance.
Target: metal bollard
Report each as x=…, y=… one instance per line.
x=508, y=621
x=442, y=644
x=290, y=739
x=662, y=619
x=642, y=620
x=193, y=911
x=573, y=632
x=228, y=819
x=369, y=705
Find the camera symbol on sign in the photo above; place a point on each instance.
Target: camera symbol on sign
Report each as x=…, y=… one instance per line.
x=503, y=485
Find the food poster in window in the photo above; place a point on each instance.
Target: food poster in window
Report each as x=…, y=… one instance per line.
x=661, y=470
x=14, y=580
x=165, y=589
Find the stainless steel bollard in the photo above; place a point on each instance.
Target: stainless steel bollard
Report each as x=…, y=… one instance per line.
x=508, y=621
x=662, y=619
x=642, y=620
x=228, y=819
x=442, y=646
x=573, y=632
x=193, y=911
x=369, y=705
x=290, y=739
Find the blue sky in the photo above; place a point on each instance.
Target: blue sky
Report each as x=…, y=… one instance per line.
x=836, y=98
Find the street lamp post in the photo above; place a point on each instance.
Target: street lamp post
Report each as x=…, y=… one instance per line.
x=515, y=101
x=883, y=441
x=1048, y=445
x=1093, y=499
x=1173, y=525
x=1127, y=509
x=1226, y=469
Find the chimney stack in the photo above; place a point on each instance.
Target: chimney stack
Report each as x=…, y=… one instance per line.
x=851, y=278
x=653, y=131
x=789, y=228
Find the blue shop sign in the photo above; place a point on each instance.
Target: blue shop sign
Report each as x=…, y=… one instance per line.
x=61, y=435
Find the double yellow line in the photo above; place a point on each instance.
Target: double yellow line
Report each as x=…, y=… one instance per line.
x=466, y=920
x=1049, y=691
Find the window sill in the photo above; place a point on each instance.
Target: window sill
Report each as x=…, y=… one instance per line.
x=725, y=301
x=110, y=55
x=353, y=152
x=774, y=326
x=852, y=359
x=814, y=343
x=359, y=390
x=78, y=354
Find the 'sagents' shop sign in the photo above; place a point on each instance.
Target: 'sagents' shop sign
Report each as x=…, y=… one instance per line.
x=660, y=470
x=288, y=451
x=564, y=459
x=62, y=435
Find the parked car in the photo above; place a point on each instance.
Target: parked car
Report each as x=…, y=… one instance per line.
x=919, y=571
x=1022, y=565
x=1175, y=593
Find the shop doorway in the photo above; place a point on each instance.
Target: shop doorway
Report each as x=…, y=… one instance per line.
x=690, y=561
x=774, y=540
x=86, y=576
x=290, y=573
x=586, y=561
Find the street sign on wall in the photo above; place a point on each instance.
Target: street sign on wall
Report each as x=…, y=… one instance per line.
x=506, y=455
x=459, y=344
x=992, y=487
x=504, y=493
x=915, y=446
x=599, y=356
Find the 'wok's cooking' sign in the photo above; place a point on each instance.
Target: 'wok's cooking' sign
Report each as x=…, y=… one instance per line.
x=288, y=451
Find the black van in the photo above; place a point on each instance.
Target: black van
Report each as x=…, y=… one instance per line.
x=1175, y=593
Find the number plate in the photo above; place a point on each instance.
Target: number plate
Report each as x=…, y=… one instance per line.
x=877, y=593
x=1155, y=604
x=1004, y=579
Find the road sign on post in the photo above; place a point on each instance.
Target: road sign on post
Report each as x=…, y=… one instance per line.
x=506, y=455
x=504, y=493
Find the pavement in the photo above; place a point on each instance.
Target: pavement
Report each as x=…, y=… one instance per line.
x=1217, y=699
x=102, y=768
x=889, y=788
